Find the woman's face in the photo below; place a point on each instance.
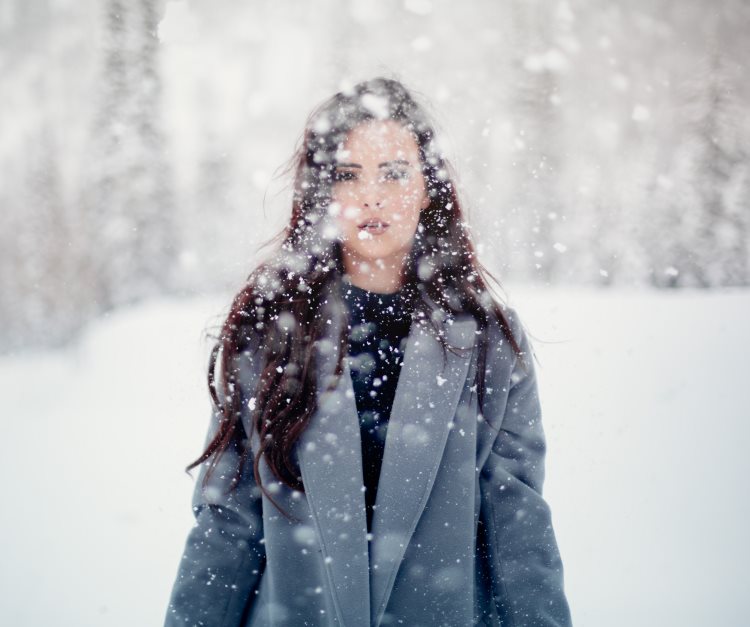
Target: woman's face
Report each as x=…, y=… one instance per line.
x=378, y=193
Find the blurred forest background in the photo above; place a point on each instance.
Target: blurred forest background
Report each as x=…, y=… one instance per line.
x=596, y=143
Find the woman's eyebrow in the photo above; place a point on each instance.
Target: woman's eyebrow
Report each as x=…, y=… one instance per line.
x=380, y=165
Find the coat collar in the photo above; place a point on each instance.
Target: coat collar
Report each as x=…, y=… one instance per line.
x=330, y=455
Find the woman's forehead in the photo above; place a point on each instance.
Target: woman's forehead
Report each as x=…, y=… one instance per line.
x=376, y=138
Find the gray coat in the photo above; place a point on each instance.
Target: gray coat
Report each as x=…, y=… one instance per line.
x=461, y=534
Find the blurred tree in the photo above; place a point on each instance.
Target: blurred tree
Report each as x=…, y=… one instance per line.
x=711, y=225
x=130, y=214
x=535, y=201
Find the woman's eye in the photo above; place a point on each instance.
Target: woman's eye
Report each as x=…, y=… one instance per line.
x=344, y=176
x=395, y=175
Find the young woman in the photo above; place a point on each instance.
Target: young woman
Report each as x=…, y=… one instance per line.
x=385, y=403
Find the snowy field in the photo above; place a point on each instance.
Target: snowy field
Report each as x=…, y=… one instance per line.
x=646, y=403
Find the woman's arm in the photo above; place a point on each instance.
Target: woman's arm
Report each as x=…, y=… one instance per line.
x=527, y=571
x=224, y=556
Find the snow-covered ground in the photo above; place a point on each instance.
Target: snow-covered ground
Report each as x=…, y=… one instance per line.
x=646, y=403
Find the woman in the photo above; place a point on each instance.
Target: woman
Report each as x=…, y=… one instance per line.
x=385, y=402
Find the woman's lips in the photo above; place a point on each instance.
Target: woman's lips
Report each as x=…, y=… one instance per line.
x=372, y=228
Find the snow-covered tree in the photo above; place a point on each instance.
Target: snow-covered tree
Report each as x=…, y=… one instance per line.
x=535, y=207
x=707, y=217
x=130, y=213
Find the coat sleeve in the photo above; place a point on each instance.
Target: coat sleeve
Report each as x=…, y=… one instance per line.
x=224, y=555
x=527, y=571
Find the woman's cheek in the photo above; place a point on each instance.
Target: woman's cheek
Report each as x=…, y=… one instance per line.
x=398, y=217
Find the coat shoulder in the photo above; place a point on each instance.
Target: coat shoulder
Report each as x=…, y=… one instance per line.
x=499, y=342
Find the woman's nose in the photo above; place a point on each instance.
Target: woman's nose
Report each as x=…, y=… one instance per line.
x=372, y=196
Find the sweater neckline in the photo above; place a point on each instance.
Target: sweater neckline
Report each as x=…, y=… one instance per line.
x=393, y=306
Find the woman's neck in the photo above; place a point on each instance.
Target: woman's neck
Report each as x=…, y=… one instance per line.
x=383, y=277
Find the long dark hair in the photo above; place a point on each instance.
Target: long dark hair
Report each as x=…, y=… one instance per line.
x=283, y=294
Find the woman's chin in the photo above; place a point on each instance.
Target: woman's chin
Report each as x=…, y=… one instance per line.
x=371, y=252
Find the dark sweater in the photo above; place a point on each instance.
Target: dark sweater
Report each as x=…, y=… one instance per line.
x=378, y=327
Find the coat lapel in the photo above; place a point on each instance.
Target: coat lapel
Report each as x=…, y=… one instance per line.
x=330, y=455
x=425, y=404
